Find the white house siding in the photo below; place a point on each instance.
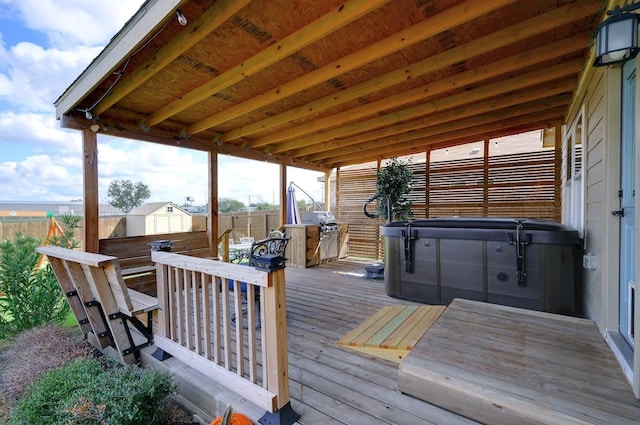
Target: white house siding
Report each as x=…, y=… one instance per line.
x=601, y=103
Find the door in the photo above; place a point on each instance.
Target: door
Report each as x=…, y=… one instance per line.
x=627, y=204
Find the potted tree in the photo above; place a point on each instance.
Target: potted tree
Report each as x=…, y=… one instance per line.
x=394, y=183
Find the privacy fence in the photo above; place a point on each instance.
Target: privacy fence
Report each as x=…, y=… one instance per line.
x=515, y=185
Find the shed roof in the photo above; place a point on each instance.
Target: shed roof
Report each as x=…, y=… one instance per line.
x=323, y=84
x=151, y=207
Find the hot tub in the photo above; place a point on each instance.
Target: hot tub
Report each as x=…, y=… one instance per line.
x=510, y=261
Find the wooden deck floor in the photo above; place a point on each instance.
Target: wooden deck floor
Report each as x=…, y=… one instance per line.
x=331, y=384
x=503, y=365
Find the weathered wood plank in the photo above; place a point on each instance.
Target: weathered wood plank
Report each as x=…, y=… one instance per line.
x=508, y=365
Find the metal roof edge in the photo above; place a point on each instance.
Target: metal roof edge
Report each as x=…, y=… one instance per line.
x=150, y=14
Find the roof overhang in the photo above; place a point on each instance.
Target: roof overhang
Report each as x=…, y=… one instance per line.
x=320, y=85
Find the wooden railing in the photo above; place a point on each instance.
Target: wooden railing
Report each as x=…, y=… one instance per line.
x=223, y=245
x=207, y=320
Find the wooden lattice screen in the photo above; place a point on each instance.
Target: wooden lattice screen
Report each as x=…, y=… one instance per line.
x=515, y=185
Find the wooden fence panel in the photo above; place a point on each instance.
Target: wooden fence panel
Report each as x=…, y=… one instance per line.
x=515, y=185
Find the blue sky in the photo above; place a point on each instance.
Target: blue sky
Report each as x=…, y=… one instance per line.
x=44, y=46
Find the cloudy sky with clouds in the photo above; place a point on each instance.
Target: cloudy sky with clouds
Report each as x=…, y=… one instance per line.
x=44, y=46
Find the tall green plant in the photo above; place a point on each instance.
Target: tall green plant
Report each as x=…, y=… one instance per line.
x=68, y=224
x=32, y=297
x=395, y=180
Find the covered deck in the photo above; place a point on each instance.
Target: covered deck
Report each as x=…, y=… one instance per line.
x=331, y=384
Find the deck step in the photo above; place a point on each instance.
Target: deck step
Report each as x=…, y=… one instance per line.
x=504, y=365
x=392, y=331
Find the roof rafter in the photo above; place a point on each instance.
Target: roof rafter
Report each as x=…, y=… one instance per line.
x=467, y=135
x=513, y=105
x=396, y=117
x=455, y=123
x=513, y=63
x=448, y=19
x=316, y=30
x=199, y=29
x=539, y=24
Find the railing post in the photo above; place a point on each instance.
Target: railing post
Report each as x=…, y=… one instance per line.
x=276, y=372
x=162, y=319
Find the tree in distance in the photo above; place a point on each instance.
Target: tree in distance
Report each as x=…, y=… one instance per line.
x=126, y=195
x=226, y=205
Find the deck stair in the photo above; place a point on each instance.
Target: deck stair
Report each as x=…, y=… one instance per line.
x=392, y=331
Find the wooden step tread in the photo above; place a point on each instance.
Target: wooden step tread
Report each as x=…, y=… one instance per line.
x=392, y=331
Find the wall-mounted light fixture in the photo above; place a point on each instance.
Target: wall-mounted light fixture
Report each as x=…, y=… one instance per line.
x=617, y=37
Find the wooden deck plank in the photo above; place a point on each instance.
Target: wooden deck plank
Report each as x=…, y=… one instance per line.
x=410, y=332
x=390, y=327
x=334, y=384
x=503, y=365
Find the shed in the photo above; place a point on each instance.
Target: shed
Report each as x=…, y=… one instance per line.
x=158, y=217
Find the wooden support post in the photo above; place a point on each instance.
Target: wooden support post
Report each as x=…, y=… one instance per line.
x=212, y=218
x=275, y=333
x=283, y=194
x=557, y=192
x=327, y=190
x=427, y=181
x=338, y=192
x=485, y=179
x=90, y=173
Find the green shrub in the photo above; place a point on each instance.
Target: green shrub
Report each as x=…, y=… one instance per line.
x=396, y=181
x=32, y=296
x=91, y=391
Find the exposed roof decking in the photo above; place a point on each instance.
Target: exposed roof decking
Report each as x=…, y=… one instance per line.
x=325, y=84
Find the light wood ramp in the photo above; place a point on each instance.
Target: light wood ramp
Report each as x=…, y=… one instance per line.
x=392, y=331
x=503, y=365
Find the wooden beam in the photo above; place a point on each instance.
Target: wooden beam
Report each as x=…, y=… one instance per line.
x=552, y=96
x=316, y=30
x=283, y=194
x=217, y=14
x=327, y=190
x=537, y=120
x=431, y=90
x=122, y=45
x=537, y=25
x=484, y=92
x=445, y=20
x=472, y=122
x=213, y=229
x=483, y=45
x=90, y=184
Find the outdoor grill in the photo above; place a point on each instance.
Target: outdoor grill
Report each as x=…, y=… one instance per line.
x=329, y=228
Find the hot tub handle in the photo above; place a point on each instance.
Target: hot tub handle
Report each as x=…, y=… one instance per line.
x=408, y=236
x=520, y=244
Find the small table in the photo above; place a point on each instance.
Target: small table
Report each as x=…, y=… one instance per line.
x=239, y=252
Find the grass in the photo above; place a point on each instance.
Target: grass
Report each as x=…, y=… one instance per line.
x=69, y=321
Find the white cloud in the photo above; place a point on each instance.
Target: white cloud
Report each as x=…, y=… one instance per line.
x=36, y=128
x=40, y=161
x=39, y=177
x=34, y=77
x=74, y=22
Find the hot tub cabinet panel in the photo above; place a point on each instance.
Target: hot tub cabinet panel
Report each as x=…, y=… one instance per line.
x=516, y=262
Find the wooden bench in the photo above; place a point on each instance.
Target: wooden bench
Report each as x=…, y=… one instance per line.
x=101, y=302
x=134, y=255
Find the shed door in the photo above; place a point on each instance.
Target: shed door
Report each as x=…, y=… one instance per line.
x=627, y=207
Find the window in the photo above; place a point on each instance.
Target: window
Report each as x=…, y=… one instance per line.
x=169, y=209
x=574, y=181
